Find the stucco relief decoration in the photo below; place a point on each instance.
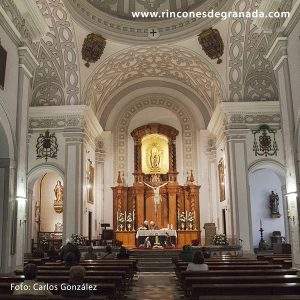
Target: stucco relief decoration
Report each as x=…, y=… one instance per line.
x=46, y=146
x=56, y=80
x=265, y=141
x=92, y=48
x=251, y=76
x=212, y=44
x=59, y=197
x=166, y=62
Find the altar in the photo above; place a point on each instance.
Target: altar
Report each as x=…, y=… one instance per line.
x=155, y=195
x=162, y=236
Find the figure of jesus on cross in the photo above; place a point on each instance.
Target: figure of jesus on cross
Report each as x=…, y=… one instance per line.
x=156, y=197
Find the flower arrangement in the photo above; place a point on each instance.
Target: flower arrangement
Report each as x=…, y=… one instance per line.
x=220, y=240
x=78, y=239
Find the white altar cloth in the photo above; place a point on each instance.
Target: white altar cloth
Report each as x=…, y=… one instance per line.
x=159, y=232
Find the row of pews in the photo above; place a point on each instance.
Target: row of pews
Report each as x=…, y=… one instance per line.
x=113, y=278
x=240, y=278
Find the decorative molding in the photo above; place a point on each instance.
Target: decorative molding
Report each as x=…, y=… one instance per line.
x=155, y=100
x=115, y=21
x=278, y=52
x=175, y=63
x=56, y=81
x=15, y=26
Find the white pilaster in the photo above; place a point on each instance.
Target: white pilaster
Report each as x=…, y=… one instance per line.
x=27, y=65
x=278, y=55
x=239, y=187
x=73, y=185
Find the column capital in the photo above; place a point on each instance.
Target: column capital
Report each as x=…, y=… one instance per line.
x=27, y=61
x=74, y=137
x=236, y=134
x=278, y=52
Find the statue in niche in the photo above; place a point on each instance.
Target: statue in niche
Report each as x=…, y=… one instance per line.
x=155, y=158
x=59, y=196
x=274, y=205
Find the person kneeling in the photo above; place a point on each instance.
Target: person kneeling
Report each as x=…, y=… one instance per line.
x=198, y=263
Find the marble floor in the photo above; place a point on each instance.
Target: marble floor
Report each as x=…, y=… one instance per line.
x=155, y=286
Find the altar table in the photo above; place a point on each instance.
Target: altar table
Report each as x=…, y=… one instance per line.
x=161, y=233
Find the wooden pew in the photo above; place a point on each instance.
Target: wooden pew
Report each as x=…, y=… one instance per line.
x=245, y=289
x=190, y=281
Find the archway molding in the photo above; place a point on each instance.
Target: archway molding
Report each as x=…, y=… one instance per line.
x=155, y=100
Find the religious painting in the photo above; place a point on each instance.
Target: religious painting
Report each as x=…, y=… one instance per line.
x=221, y=173
x=90, y=183
x=59, y=196
x=155, y=154
x=3, y=57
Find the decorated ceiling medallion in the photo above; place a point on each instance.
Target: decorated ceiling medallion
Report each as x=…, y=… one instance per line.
x=46, y=146
x=212, y=44
x=265, y=141
x=92, y=48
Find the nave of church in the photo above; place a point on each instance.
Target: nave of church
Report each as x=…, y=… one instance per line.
x=136, y=147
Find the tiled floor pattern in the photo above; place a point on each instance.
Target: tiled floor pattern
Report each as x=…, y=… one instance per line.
x=155, y=286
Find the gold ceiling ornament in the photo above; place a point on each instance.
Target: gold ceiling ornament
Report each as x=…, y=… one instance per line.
x=59, y=197
x=212, y=43
x=92, y=48
x=155, y=154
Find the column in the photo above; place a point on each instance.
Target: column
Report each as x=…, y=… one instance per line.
x=140, y=203
x=7, y=216
x=27, y=64
x=239, y=188
x=99, y=193
x=172, y=191
x=73, y=185
x=213, y=187
x=278, y=55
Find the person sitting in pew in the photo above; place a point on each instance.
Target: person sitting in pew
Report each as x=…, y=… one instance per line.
x=123, y=253
x=108, y=253
x=90, y=254
x=76, y=278
x=52, y=254
x=70, y=247
x=198, y=263
x=30, y=286
x=186, y=254
x=70, y=260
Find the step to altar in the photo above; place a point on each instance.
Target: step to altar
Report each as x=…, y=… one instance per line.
x=155, y=260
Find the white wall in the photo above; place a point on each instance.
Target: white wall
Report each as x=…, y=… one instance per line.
x=262, y=182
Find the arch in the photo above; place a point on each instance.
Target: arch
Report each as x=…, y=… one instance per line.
x=185, y=67
x=266, y=175
x=39, y=170
x=7, y=131
x=271, y=164
x=154, y=100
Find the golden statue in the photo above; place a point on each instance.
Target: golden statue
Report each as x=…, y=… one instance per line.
x=59, y=196
x=155, y=158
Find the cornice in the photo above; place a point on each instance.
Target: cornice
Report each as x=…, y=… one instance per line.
x=278, y=52
x=69, y=118
x=27, y=60
x=290, y=23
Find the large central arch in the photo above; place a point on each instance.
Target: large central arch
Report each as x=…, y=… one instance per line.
x=177, y=64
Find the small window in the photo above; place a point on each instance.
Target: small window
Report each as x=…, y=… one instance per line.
x=3, y=56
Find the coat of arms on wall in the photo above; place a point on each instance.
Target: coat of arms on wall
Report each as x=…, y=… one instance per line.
x=90, y=182
x=46, y=146
x=212, y=43
x=59, y=197
x=221, y=173
x=92, y=48
x=265, y=141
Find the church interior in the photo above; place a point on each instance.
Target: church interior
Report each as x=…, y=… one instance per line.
x=150, y=157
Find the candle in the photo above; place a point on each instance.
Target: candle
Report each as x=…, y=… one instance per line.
x=260, y=222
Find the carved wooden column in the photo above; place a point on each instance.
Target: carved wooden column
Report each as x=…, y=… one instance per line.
x=140, y=203
x=172, y=190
